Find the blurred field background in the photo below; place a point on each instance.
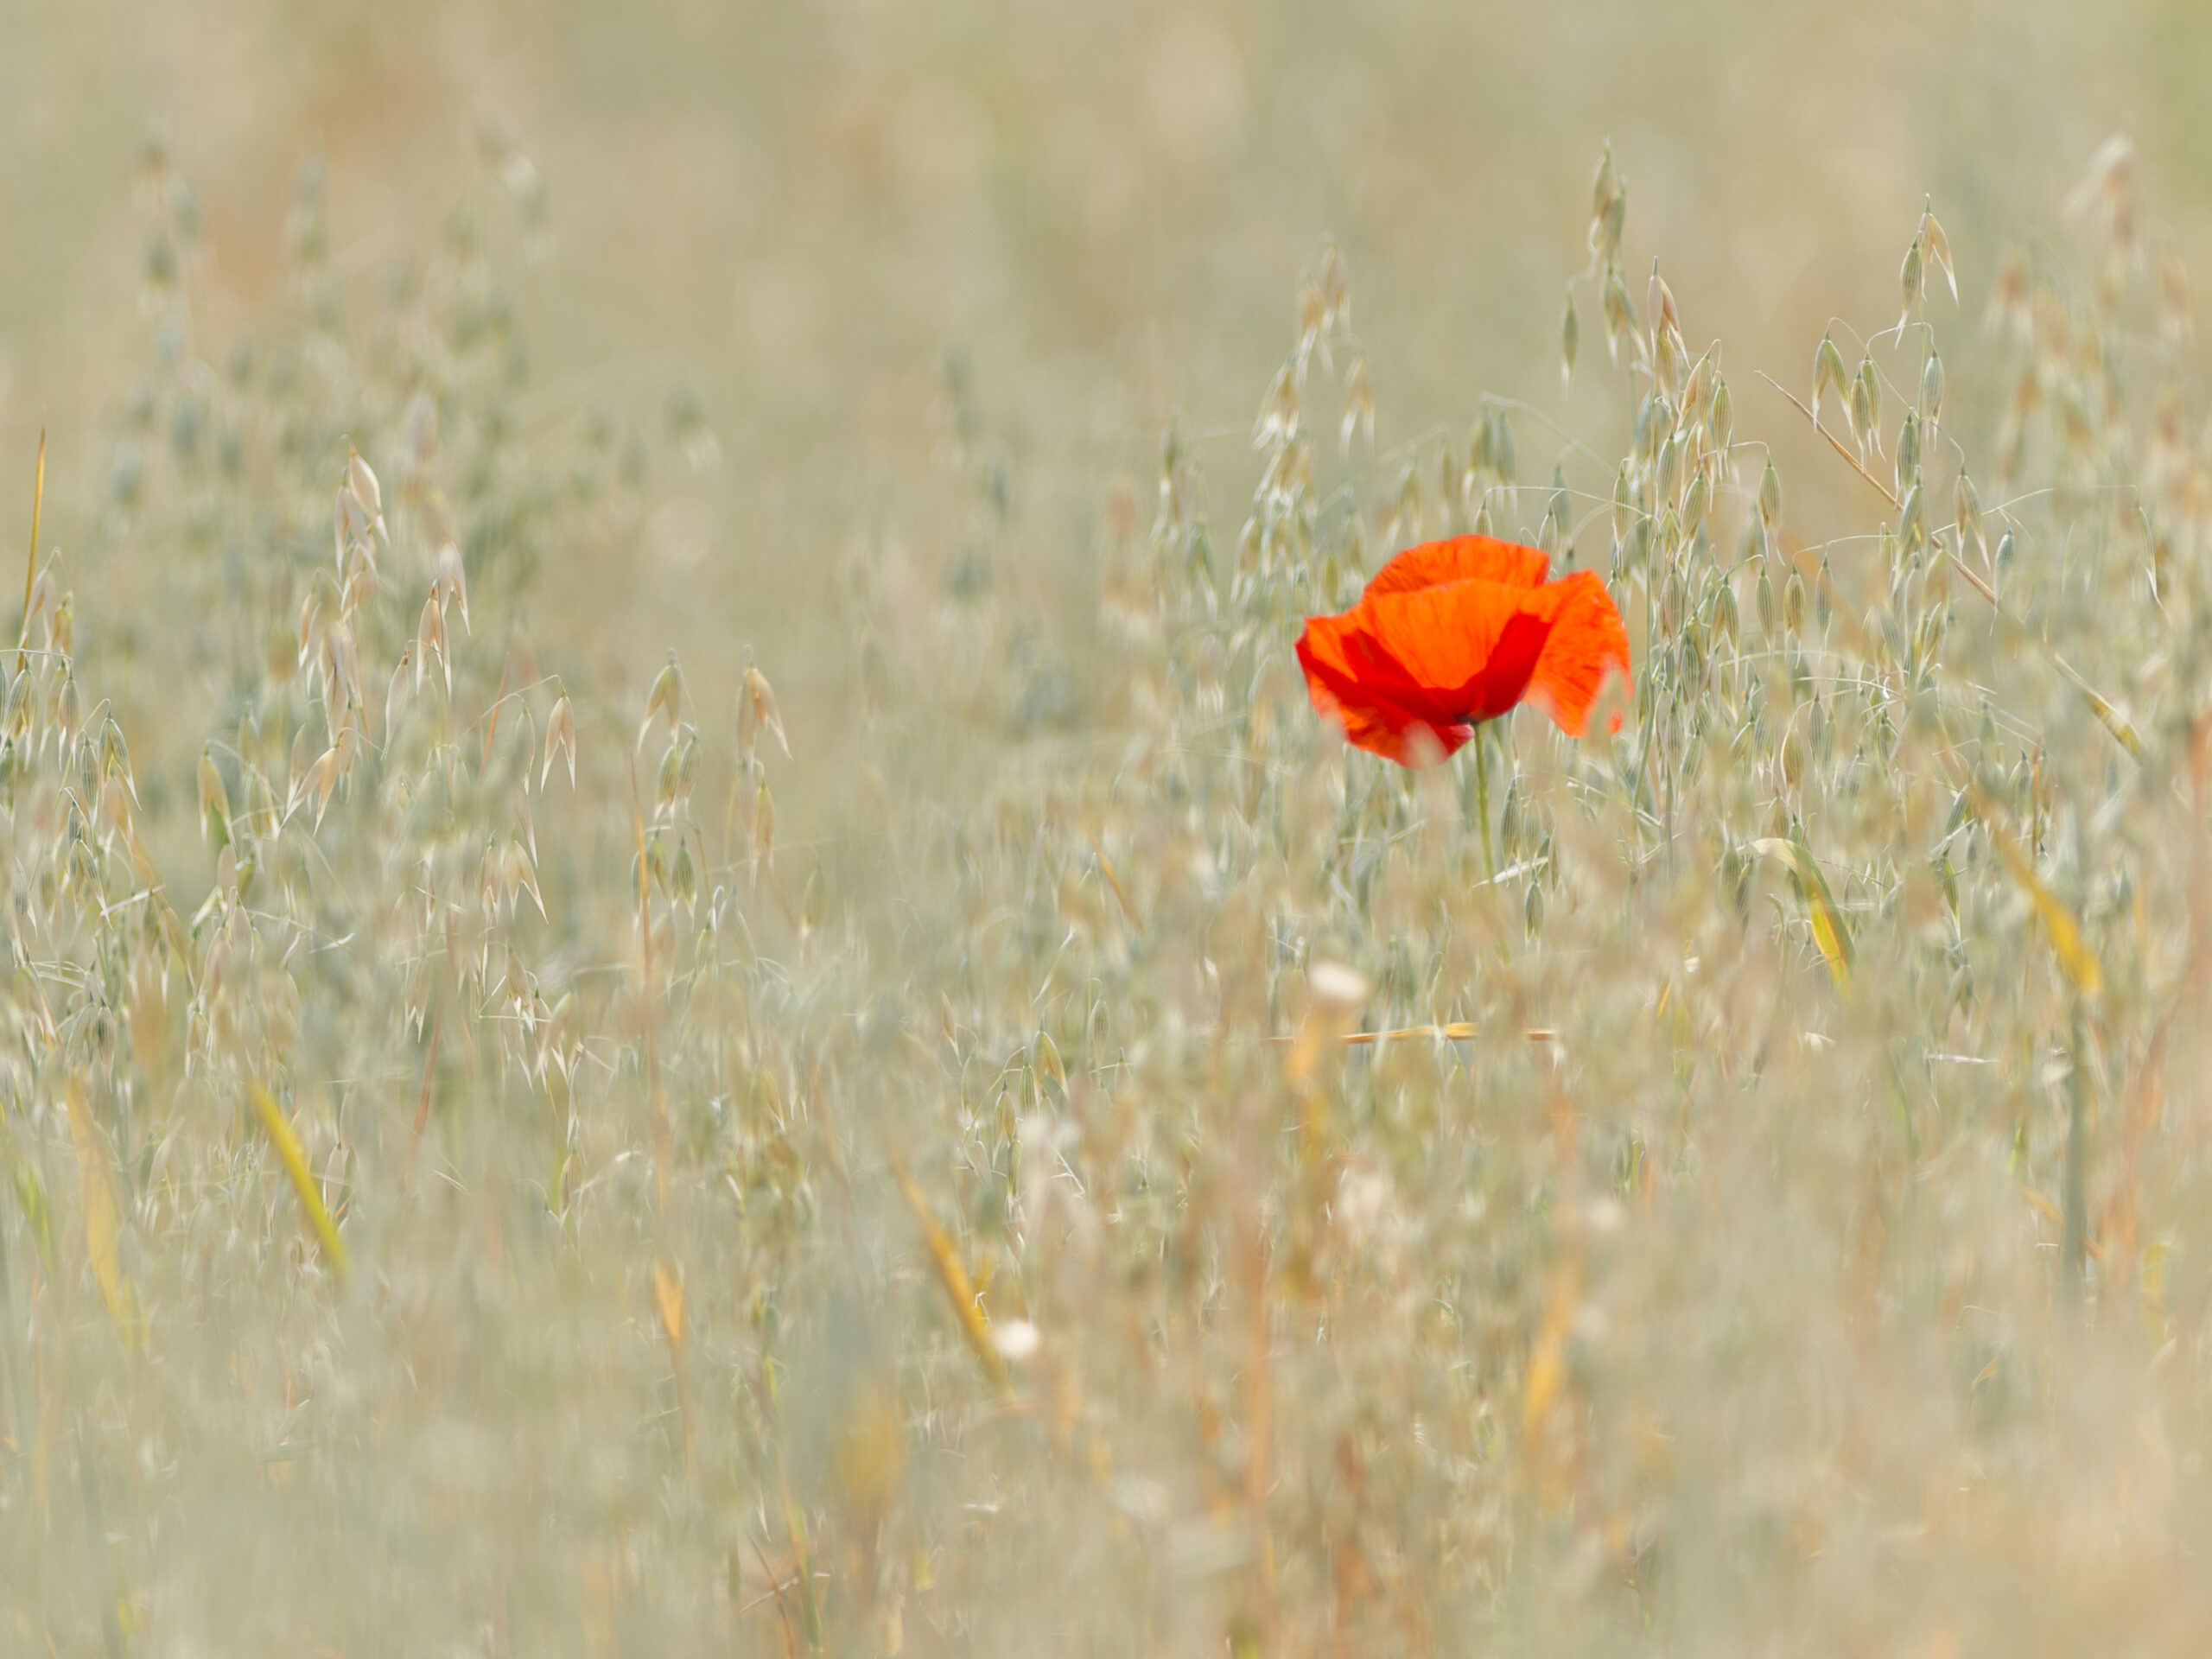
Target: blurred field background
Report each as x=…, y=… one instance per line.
x=951, y=1221
x=796, y=212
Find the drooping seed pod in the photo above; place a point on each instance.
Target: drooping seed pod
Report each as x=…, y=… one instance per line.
x=761, y=708
x=1829, y=375
x=1938, y=248
x=1866, y=406
x=665, y=699
x=1620, y=316
x=1966, y=515
x=560, y=735
x=214, y=801
x=362, y=483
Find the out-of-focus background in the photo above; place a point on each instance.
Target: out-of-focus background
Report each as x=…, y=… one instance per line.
x=901, y=1189
x=795, y=211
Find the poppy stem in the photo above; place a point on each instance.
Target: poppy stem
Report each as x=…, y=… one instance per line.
x=1482, y=798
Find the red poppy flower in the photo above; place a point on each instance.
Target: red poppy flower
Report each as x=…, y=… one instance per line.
x=1455, y=632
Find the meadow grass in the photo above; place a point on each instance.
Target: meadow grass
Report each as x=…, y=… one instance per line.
x=1153, y=1179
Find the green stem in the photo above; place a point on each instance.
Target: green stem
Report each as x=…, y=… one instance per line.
x=1482, y=798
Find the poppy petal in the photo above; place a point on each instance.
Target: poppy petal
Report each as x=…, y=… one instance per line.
x=1586, y=641
x=1461, y=558
x=1470, y=651
x=1440, y=646
x=1455, y=632
x=1352, y=683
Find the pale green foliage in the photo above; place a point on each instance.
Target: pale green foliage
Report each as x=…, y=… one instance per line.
x=1777, y=1221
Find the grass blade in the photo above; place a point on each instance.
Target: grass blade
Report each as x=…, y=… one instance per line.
x=103, y=1214
x=1829, y=932
x=273, y=1122
x=952, y=1275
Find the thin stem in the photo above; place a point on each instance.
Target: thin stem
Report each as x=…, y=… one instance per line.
x=2075, y=1258
x=30, y=564
x=1481, y=799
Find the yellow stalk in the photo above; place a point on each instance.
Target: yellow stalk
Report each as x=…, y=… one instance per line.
x=103, y=1214
x=1829, y=932
x=952, y=1275
x=279, y=1131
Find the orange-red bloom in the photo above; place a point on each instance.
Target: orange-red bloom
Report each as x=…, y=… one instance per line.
x=1455, y=632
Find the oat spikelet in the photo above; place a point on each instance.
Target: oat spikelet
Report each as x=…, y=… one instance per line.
x=560, y=739
x=361, y=483
x=665, y=699
x=214, y=801
x=760, y=702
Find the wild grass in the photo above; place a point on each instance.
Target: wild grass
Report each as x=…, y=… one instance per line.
x=1157, y=1180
